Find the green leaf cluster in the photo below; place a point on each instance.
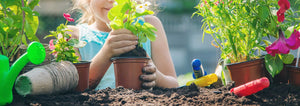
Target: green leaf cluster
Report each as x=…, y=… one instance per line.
x=275, y=64
x=124, y=16
x=64, y=44
x=239, y=27
x=18, y=23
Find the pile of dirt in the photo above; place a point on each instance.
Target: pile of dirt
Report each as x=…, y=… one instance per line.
x=276, y=94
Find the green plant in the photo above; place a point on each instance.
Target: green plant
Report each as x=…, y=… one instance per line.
x=18, y=22
x=63, y=46
x=240, y=26
x=127, y=14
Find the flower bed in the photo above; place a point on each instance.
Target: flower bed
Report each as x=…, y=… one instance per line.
x=276, y=94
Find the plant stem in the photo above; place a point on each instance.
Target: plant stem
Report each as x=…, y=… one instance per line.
x=23, y=19
x=297, y=59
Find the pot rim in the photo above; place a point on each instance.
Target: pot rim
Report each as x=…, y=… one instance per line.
x=245, y=61
x=116, y=58
x=82, y=62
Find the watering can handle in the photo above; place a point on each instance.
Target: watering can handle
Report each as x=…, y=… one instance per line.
x=35, y=54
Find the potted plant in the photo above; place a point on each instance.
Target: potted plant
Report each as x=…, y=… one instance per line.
x=63, y=50
x=239, y=29
x=18, y=23
x=128, y=66
x=278, y=51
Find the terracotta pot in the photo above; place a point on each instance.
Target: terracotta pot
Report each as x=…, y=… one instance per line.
x=293, y=75
x=128, y=71
x=244, y=72
x=282, y=77
x=83, y=72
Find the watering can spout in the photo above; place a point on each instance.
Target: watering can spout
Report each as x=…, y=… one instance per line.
x=35, y=54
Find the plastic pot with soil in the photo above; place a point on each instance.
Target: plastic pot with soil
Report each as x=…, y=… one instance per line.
x=83, y=72
x=244, y=72
x=128, y=68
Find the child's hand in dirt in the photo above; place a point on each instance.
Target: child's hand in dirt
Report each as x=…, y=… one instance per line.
x=149, y=76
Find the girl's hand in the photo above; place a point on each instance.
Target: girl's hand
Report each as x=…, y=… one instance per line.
x=119, y=42
x=149, y=76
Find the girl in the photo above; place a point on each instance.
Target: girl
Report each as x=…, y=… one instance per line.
x=104, y=43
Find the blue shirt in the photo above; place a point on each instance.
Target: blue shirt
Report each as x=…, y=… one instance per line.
x=95, y=41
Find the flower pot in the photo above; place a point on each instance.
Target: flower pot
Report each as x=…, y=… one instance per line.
x=244, y=72
x=282, y=77
x=83, y=72
x=293, y=74
x=128, y=70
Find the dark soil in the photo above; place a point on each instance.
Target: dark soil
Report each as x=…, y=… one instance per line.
x=137, y=52
x=276, y=94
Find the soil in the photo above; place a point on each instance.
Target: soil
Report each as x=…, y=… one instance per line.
x=275, y=94
x=137, y=52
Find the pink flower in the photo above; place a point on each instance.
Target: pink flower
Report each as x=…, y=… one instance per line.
x=284, y=5
x=293, y=42
x=70, y=19
x=280, y=15
x=216, y=3
x=66, y=15
x=51, y=45
x=279, y=46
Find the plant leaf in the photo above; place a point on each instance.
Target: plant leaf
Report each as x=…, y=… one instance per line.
x=287, y=58
x=274, y=65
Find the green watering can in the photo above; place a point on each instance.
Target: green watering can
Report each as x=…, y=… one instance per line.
x=35, y=54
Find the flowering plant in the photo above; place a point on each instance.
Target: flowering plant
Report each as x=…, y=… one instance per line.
x=240, y=26
x=237, y=26
x=63, y=46
x=127, y=14
x=278, y=51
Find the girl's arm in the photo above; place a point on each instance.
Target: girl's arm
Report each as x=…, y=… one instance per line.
x=165, y=71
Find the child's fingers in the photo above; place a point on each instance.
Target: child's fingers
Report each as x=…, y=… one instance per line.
x=120, y=37
x=147, y=85
x=121, y=44
x=122, y=50
x=148, y=77
x=149, y=69
x=121, y=31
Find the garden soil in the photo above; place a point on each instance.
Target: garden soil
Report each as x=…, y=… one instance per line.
x=276, y=94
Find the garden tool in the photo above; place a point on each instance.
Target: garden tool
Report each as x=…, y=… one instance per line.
x=198, y=69
x=35, y=54
x=251, y=87
x=204, y=81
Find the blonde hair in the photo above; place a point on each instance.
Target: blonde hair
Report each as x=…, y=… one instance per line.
x=86, y=13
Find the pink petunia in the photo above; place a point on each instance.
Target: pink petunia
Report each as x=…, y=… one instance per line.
x=284, y=5
x=51, y=45
x=293, y=41
x=280, y=15
x=279, y=46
